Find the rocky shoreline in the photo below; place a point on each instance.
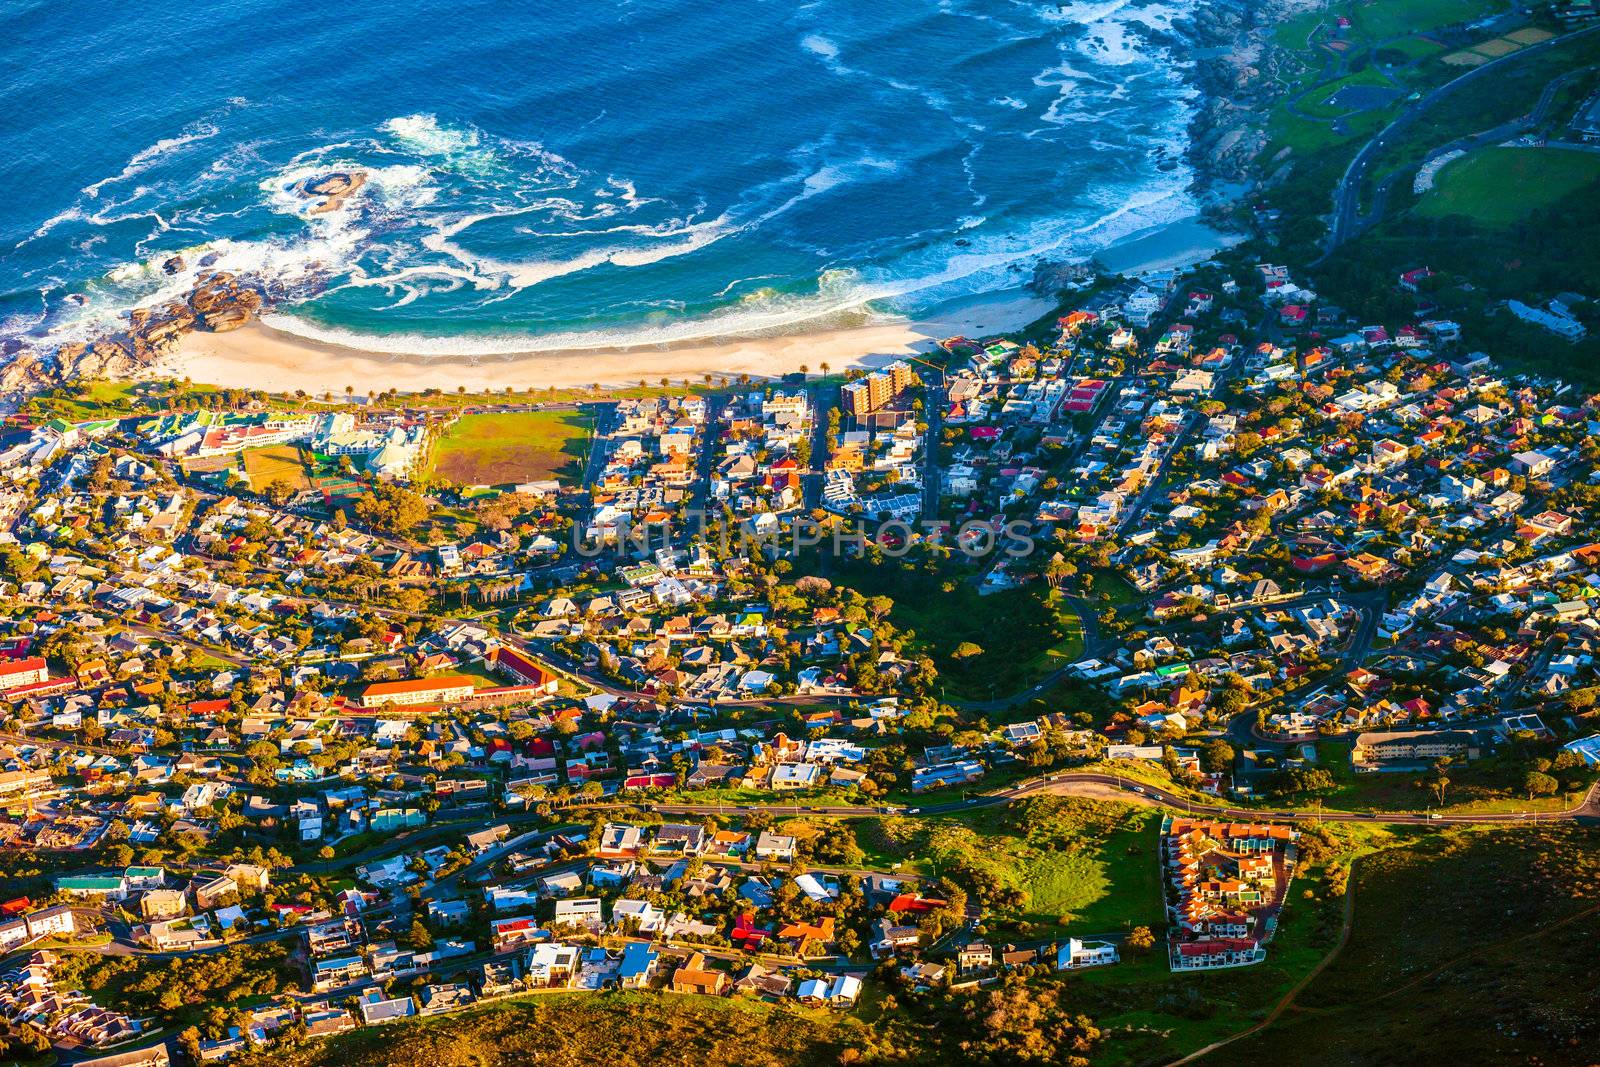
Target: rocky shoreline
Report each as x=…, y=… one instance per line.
x=1232, y=40
x=217, y=303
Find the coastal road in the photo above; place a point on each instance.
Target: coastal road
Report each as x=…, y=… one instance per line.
x=1348, y=220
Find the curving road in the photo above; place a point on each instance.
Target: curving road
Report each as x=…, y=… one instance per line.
x=1348, y=220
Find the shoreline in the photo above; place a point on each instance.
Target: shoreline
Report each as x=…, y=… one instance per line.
x=258, y=356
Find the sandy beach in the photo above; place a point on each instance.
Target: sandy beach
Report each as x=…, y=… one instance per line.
x=260, y=357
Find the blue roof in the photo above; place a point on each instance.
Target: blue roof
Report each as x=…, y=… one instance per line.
x=637, y=959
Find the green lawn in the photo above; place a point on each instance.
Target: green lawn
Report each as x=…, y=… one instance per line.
x=1023, y=634
x=513, y=447
x=1414, y=47
x=277, y=463
x=1053, y=866
x=1304, y=136
x=96, y=398
x=1481, y=787
x=1501, y=186
x=1321, y=101
x=1378, y=19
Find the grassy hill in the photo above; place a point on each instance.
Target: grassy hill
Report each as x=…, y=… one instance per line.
x=1468, y=947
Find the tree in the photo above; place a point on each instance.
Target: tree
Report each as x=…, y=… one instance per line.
x=966, y=650
x=277, y=492
x=1217, y=756
x=1140, y=939
x=1539, y=784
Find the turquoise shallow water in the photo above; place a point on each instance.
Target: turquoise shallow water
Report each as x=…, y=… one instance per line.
x=545, y=175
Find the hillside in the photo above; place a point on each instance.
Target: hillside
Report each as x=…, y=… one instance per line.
x=578, y=1030
x=1473, y=947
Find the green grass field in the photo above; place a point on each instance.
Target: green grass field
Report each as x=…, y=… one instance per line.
x=513, y=447
x=946, y=610
x=1378, y=19
x=96, y=398
x=1500, y=186
x=1062, y=865
x=1481, y=787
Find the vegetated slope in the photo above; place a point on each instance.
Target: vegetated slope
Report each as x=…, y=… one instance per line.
x=1472, y=947
x=579, y=1029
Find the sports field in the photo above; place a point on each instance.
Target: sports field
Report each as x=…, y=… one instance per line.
x=519, y=446
x=1499, y=186
x=263, y=466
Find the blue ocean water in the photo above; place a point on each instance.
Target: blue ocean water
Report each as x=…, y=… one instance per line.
x=552, y=175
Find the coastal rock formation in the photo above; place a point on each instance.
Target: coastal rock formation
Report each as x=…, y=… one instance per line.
x=1049, y=278
x=218, y=302
x=173, y=265
x=332, y=190
x=222, y=303
x=25, y=373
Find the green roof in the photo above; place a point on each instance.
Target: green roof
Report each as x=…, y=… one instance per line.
x=90, y=881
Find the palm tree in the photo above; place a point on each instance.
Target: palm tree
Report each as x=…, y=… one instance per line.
x=823, y=367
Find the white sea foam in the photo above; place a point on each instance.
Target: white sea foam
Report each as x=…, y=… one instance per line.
x=409, y=232
x=424, y=135
x=838, y=292
x=145, y=158
x=819, y=45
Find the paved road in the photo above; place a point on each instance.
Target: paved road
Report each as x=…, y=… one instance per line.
x=823, y=399
x=1066, y=782
x=1348, y=220
x=933, y=415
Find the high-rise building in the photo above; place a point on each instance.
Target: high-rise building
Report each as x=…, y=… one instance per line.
x=866, y=395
